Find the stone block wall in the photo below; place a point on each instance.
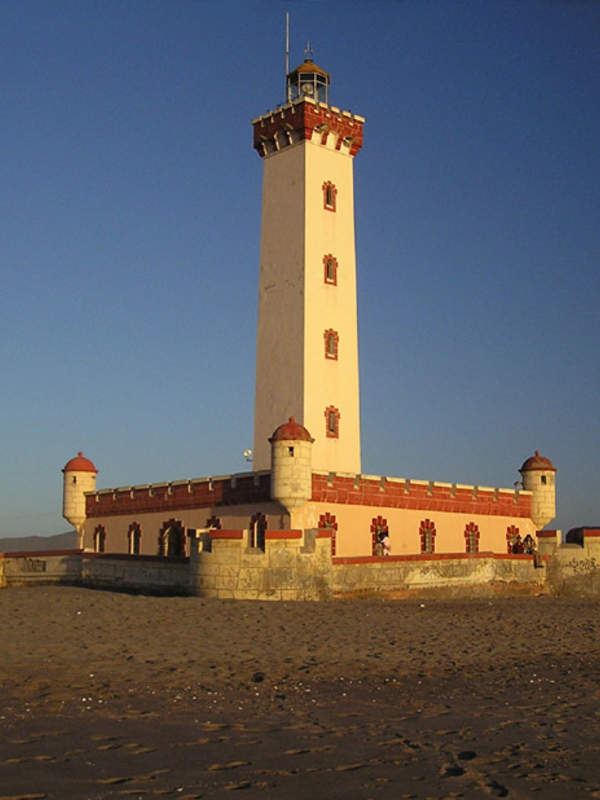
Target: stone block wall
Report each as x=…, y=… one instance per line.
x=145, y=574
x=574, y=569
x=40, y=567
x=469, y=573
x=294, y=565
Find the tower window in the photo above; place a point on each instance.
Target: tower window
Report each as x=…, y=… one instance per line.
x=331, y=344
x=291, y=451
x=330, y=265
x=329, y=196
x=332, y=422
x=543, y=479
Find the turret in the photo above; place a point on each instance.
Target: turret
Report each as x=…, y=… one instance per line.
x=291, y=464
x=539, y=478
x=79, y=478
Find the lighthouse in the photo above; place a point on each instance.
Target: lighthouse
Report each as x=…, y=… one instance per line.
x=307, y=339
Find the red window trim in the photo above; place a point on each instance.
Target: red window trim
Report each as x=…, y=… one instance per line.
x=134, y=528
x=330, y=333
x=511, y=532
x=163, y=542
x=330, y=281
x=328, y=432
x=328, y=185
x=378, y=525
x=99, y=539
x=427, y=525
x=472, y=528
x=328, y=522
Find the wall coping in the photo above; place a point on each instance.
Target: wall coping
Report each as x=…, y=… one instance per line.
x=30, y=553
x=340, y=560
x=138, y=557
x=275, y=534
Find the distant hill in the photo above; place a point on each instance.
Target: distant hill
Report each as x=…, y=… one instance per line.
x=60, y=541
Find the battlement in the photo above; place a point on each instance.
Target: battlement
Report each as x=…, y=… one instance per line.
x=243, y=487
x=327, y=487
x=305, y=119
x=387, y=492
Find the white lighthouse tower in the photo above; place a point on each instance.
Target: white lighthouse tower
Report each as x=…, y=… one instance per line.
x=307, y=342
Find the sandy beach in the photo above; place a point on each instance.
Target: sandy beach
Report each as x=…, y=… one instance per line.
x=107, y=695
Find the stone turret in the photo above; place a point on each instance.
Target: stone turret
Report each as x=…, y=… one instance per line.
x=538, y=475
x=79, y=478
x=291, y=464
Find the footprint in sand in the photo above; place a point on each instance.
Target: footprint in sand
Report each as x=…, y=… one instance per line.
x=229, y=765
x=28, y=796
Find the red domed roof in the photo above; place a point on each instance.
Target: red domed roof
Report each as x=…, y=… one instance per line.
x=537, y=462
x=291, y=430
x=80, y=464
x=309, y=66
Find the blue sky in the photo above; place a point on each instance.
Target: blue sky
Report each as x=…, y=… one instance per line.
x=130, y=226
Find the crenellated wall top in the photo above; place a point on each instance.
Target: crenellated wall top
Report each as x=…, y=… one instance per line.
x=305, y=119
x=387, y=492
x=243, y=487
x=327, y=487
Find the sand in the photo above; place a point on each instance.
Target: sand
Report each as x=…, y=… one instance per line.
x=107, y=695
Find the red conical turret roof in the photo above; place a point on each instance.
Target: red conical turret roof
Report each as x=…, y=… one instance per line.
x=291, y=431
x=537, y=461
x=79, y=464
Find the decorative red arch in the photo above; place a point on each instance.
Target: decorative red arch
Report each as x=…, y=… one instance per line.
x=328, y=522
x=171, y=538
x=472, y=538
x=427, y=533
x=99, y=539
x=511, y=533
x=134, y=539
x=378, y=525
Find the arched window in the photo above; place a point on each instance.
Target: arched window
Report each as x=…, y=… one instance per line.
x=329, y=196
x=330, y=269
x=99, y=539
x=213, y=522
x=511, y=538
x=332, y=422
x=171, y=539
x=472, y=538
x=134, y=538
x=258, y=528
x=328, y=522
x=427, y=534
x=379, y=532
x=332, y=339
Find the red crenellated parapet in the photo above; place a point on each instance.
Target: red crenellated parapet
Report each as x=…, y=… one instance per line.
x=299, y=120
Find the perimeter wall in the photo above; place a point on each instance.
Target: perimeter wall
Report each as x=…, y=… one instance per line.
x=298, y=565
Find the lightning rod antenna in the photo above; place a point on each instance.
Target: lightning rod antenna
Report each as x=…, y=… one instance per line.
x=287, y=56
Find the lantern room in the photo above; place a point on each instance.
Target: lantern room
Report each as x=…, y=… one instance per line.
x=308, y=80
